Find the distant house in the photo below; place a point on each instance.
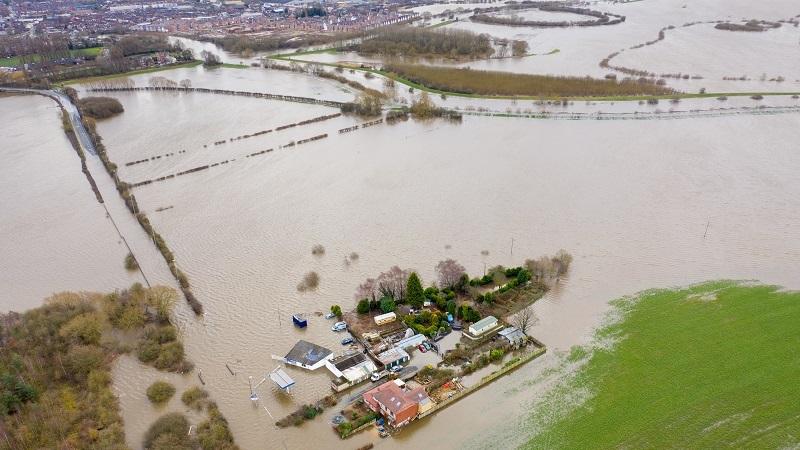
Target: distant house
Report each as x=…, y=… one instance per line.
x=306, y=355
x=512, y=334
x=383, y=319
x=482, y=326
x=395, y=356
x=397, y=404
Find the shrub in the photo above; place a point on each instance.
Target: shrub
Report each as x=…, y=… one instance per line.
x=194, y=398
x=336, y=310
x=100, y=107
x=172, y=425
x=214, y=434
x=131, y=263
x=496, y=354
x=363, y=306
x=387, y=305
x=160, y=392
x=310, y=281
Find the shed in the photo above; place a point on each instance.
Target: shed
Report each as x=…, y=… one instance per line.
x=281, y=378
x=512, y=334
x=395, y=356
x=412, y=341
x=385, y=318
x=483, y=325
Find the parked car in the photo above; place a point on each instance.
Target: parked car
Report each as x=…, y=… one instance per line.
x=427, y=345
x=339, y=326
x=422, y=348
x=347, y=341
x=396, y=369
x=378, y=375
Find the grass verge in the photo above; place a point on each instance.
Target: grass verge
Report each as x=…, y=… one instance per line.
x=710, y=366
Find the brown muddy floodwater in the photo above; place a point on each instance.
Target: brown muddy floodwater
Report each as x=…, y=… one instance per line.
x=629, y=199
x=54, y=235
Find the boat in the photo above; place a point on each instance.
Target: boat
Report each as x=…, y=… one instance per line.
x=299, y=320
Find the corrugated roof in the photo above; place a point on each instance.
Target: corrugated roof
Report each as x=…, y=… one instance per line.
x=488, y=320
x=281, y=378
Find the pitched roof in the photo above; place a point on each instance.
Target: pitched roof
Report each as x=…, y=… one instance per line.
x=395, y=399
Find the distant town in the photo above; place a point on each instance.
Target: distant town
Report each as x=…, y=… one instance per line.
x=78, y=18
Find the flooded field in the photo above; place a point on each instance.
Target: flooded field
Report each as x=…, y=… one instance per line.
x=700, y=49
x=54, y=235
x=632, y=210
x=640, y=204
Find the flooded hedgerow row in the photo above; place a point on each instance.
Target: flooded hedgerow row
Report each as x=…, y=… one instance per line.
x=264, y=95
x=245, y=136
x=220, y=163
x=363, y=125
x=124, y=190
x=153, y=158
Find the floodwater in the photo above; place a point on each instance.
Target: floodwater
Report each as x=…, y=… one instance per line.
x=698, y=50
x=640, y=204
x=54, y=235
x=631, y=201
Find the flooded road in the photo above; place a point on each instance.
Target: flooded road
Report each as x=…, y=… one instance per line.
x=54, y=235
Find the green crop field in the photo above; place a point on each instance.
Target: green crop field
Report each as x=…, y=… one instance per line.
x=715, y=365
x=14, y=61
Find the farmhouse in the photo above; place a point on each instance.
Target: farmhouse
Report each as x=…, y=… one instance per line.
x=397, y=404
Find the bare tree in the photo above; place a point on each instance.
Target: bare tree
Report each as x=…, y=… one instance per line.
x=449, y=272
x=561, y=262
x=367, y=289
x=525, y=319
x=392, y=283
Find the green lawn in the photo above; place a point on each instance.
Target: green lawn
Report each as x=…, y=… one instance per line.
x=15, y=60
x=692, y=369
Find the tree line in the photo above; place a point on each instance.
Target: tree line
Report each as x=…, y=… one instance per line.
x=484, y=82
x=415, y=41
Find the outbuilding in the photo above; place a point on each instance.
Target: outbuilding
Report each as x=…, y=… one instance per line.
x=383, y=319
x=482, y=326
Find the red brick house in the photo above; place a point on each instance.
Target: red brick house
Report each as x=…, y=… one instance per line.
x=397, y=404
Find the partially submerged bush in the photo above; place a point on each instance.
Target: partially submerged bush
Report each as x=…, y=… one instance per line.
x=172, y=428
x=318, y=250
x=160, y=392
x=130, y=262
x=195, y=398
x=310, y=282
x=100, y=107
